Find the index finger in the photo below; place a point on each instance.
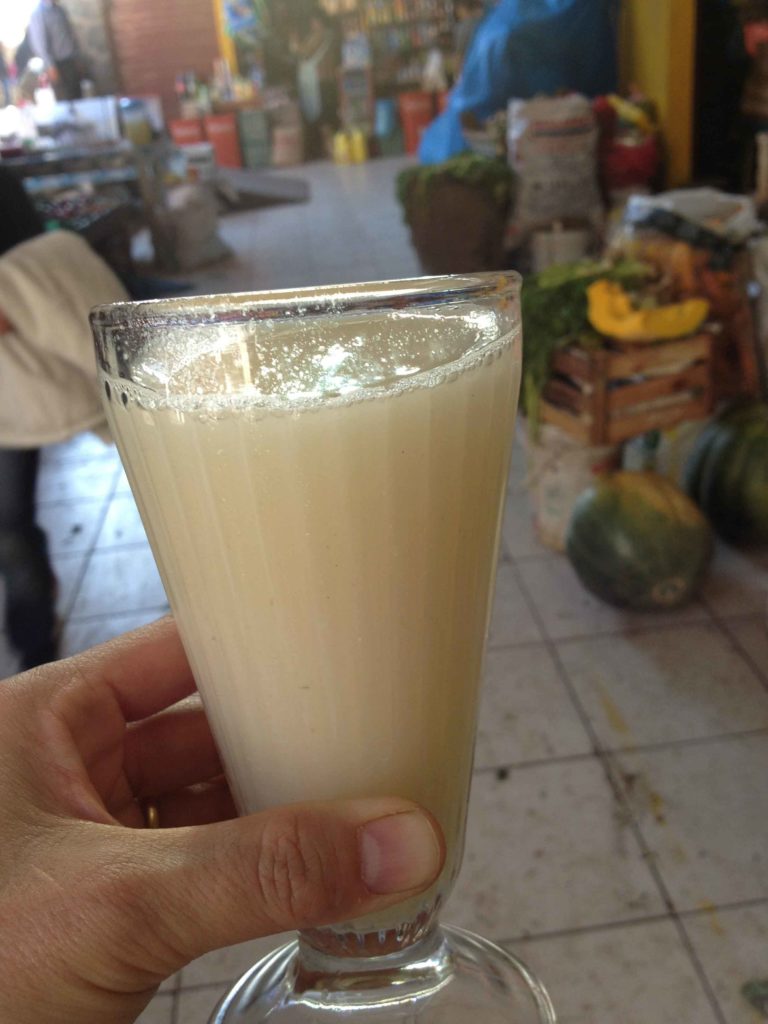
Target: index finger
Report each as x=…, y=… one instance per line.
x=147, y=670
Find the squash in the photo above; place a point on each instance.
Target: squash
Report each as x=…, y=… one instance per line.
x=727, y=473
x=637, y=541
x=611, y=313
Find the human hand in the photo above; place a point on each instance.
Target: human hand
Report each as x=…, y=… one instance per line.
x=95, y=909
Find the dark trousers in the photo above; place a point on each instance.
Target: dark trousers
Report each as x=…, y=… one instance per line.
x=68, y=85
x=30, y=586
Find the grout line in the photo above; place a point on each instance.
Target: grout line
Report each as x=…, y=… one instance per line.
x=759, y=670
x=160, y=609
x=588, y=929
x=618, y=752
x=551, y=648
x=57, y=503
x=107, y=501
x=692, y=741
x=650, y=858
x=128, y=545
x=538, y=762
x=635, y=921
x=717, y=908
x=514, y=646
x=607, y=761
x=602, y=634
x=66, y=462
x=103, y=549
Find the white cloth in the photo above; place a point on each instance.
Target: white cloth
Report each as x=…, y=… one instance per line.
x=48, y=388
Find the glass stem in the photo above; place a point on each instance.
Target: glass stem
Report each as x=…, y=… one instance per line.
x=415, y=967
x=364, y=942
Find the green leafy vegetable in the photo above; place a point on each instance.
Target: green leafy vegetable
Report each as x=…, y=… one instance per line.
x=554, y=304
x=494, y=175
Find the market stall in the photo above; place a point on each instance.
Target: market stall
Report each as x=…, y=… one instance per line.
x=644, y=319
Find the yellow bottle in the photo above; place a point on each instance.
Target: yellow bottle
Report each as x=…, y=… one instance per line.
x=358, y=147
x=342, y=150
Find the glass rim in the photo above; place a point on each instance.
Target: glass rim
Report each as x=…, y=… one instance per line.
x=332, y=300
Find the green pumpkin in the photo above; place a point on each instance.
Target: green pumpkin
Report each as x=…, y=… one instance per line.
x=636, y=541
x=727, y=473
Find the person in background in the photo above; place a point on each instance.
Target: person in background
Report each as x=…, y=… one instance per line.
x=53, y=39
x=316, y=47
x=30, y=584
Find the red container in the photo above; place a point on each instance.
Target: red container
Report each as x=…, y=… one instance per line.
x=186, y=131
x=416, y=111
x=221, y=131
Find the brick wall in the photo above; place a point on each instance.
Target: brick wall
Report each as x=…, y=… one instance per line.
x=155, y=39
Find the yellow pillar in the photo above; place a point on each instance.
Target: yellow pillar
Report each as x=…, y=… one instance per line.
x=227, y=47
x=658, y=55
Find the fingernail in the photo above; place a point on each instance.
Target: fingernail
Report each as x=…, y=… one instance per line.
x=399, y=852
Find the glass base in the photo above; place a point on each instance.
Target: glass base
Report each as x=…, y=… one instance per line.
x=449, y=977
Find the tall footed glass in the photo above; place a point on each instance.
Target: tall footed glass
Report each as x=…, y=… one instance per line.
x=321, y=476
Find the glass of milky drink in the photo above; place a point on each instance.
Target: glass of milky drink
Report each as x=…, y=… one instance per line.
x=321, y=475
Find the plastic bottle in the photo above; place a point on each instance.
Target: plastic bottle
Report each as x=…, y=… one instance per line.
x=358, y=146
x=342, y=149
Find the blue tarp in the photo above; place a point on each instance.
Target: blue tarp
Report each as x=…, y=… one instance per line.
x=525, y=47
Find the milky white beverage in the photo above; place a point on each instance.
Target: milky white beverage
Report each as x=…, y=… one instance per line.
x=323, y=500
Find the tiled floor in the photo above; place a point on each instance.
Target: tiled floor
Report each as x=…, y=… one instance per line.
x=618, y=836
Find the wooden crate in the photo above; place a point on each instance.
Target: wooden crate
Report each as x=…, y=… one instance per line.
x=609, y=395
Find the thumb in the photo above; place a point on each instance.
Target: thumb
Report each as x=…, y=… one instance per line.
x=197, y=889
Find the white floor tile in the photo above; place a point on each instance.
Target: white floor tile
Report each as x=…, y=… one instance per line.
x=84, y=447
x=752, y=636
x=67, y=568
x=732, y=946
x=71, y=527
x=636, y=974
x=512, y=621
x=122, y=524
x=518, y=532
x=674, y=684
x=119, y=580
x=569, y=610
x=703, y=810
x=518, y=469
x=737, y=583
x=159, y=1011
x=75, y=481
x=227, y=965
x=526, y=713
x=82, y=634
x=549, y=849
x=122, y=486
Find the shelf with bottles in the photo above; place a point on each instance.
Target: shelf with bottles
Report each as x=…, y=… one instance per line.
x=443, y=21
x=403, y=39
x=370, y=15
x=399, y=76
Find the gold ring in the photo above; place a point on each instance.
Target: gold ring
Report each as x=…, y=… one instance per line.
x=151, y=815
